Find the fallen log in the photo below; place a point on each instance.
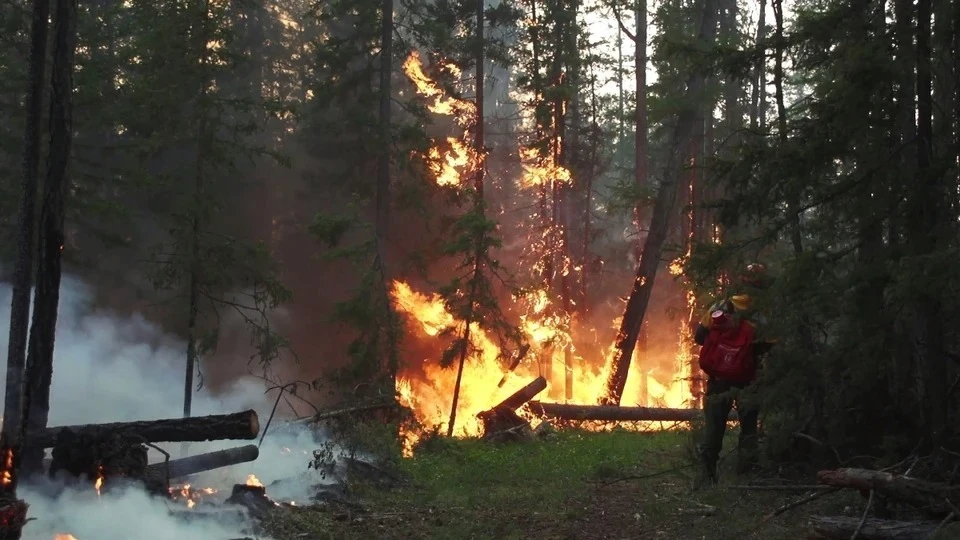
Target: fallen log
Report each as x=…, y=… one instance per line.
x=241, y=425
x=932, y=497
x=613, y=413
x=204, y=462
x=343, y=411
x=873, y=529
x=515, y=400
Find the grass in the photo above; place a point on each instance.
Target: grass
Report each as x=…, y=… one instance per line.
x=574, y=485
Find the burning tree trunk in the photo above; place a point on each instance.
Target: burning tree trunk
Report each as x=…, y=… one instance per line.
x=203, y=462
x=242, y=425
x=39, y=372
x=525, y=394
x=615, y=413
x=480, y=247
x=659, y=224
x=13, y=512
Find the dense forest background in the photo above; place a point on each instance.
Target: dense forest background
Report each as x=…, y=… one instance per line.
x=257, y=177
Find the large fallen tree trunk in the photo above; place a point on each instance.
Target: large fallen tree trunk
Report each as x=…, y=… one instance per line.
x=177, y=468
x=613, y=413
x=523, y=395
x=242, y=425
x=932, y=497
x=873, y=529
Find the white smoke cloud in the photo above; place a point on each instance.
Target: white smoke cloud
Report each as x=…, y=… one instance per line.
x=109, y=368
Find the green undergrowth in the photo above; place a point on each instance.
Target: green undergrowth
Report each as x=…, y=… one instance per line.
x=575, y=484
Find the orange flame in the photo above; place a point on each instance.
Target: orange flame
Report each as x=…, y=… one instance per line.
x=451, y=165
x=253, y=481
x=64, y=536
x=7, y=477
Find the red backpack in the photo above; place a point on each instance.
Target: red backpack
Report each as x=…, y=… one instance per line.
x=727, y=353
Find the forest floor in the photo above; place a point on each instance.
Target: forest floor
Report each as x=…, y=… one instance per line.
x=573, y=485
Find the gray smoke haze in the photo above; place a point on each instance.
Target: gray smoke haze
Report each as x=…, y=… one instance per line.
x=109, y=368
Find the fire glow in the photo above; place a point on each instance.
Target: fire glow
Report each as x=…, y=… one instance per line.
x=572, y=354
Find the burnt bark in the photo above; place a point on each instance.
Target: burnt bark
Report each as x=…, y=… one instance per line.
x=659, y=222
x=39, y=371
x=241, y=425
x=13, y=424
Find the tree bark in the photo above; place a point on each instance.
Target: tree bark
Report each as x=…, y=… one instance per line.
x=39, y=372
x=757, y=100
x=642, y=128
x=13, y=424
x=929, y=496
x=610, y=413
x=478, y=144
x=242, y=425
x=659, y=223
x=926, y=231
x=177, y=468
x=196, y=225
x=843, y=528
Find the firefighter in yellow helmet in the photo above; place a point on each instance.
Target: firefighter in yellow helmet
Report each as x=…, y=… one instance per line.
x=732, y=347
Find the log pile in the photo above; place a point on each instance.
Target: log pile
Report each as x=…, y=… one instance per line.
x=111, y=454
x=935, y=504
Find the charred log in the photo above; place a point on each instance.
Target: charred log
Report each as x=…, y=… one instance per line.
x=932, y=497
x=872, y=529
x=525, y=394
x=13, y=516
x=199, y=463
x=241, y=425
x=109, y=459
x=613, y=413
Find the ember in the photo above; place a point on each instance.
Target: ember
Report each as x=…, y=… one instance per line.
x=64, y=536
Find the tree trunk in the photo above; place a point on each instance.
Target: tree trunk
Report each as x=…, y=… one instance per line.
x=13, y=422
x=478, y=144
x=610, y=413
x=659, y=222
x=242, y=425
x=757, y=109
x=39, y=372
x=196, y=226
x=642, y=129
x=843, y=528
x=382, y=221
x=929, y=496
x=927, y=227
x=178, y=468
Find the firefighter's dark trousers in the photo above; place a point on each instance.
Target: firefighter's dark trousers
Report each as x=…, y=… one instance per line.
x=718, y=402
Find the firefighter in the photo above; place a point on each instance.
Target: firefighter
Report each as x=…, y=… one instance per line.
x=721, y=395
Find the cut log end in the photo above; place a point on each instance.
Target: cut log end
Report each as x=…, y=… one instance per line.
x=254, y=422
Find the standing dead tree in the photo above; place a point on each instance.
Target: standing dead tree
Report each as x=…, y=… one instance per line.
x=660, y=221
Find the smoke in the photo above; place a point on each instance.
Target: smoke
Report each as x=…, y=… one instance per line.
x=110, y=368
